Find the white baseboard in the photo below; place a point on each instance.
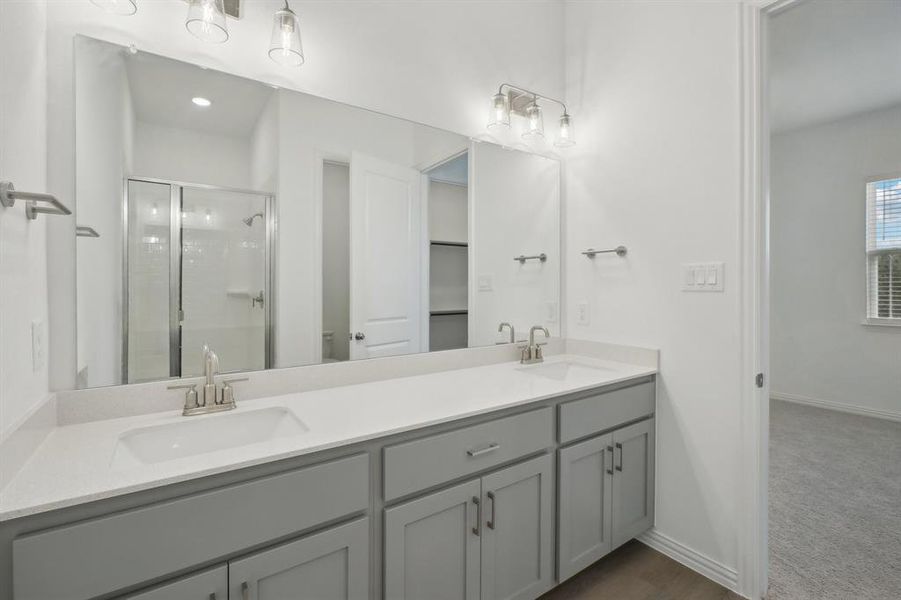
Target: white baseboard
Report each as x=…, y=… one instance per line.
x=706, y=566
x=839, y=406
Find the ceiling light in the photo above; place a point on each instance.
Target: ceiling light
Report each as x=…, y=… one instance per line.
x=117, y=7
x=535, y=127
x=500, y=111
x=206, y=20
x=201, y=101
x=565, y=136
x=285, y=46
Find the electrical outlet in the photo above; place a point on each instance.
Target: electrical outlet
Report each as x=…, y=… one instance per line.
x=583, y=313
x=38, y=354
x=486, y=282
x=551, y=312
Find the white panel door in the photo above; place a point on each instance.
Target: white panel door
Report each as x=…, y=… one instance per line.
x=385, y=249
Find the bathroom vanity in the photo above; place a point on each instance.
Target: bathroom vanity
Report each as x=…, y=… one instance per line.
x=388, y=489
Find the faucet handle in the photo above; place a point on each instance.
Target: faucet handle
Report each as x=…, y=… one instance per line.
x=190, y=394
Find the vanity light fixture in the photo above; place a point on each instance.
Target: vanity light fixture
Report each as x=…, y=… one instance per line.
x=201, y=101
x=206, y=20
x=527, y=104
x=117, y=7
x=285, y=46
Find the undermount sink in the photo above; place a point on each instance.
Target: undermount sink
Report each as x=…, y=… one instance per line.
x=202, y=434
x=562, y=370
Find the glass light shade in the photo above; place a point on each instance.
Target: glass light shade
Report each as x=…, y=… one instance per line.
x=117, y=7
x=206, y=20
x=500, y=112
x=535, y=127
x=566, y=135
x=285, y=47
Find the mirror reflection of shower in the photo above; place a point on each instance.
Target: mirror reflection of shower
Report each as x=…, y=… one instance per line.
x=249, y=220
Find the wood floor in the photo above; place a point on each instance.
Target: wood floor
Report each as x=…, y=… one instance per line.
x=637, y=572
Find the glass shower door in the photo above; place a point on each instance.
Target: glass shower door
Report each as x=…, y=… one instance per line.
x=224, y=295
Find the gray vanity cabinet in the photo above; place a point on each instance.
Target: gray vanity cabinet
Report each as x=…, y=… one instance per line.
x=517, y=536
x=211, y=584
x=416, y=566
x=633, y=481
x=496, y=539
x=332, y=565
x=585, y=504
x=605, y=495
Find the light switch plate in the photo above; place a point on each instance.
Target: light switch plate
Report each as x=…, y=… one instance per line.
x=583, y=313
x=37, y=346
x=703, y=277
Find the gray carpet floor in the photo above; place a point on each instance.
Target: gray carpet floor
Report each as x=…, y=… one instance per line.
x=835, y=505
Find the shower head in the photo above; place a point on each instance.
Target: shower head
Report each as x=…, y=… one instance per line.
x=249, y=220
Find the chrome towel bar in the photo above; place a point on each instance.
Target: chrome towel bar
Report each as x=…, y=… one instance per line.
x=86, y=231
x=9, y=195
x=522, y=259
x=619, y=250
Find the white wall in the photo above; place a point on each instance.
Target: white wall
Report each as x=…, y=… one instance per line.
x=163, y=152
x=655, y=88
x=820, y=348
x=336, y=256
x=378, y=55
x=23, y=160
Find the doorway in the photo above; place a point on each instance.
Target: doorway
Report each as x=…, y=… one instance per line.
x=198, y=271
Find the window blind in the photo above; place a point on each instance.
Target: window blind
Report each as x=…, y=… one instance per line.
x=884, y=249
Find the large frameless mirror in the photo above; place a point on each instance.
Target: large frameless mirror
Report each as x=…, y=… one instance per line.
x=282, y=229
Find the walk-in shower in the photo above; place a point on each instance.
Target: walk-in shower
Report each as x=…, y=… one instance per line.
x=196, y=273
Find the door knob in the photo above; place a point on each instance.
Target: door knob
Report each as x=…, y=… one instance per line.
x=359, y=336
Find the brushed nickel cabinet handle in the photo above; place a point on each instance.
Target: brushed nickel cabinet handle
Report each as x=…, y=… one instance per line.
x=619, y=447
x=610, y=454
x=245, y=591
x=493, y=518
x=475, y=500
x=480, y=451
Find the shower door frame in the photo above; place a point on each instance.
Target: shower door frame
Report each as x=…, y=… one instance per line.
x=176, y=189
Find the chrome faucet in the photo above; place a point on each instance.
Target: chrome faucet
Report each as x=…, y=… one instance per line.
x=212, y=398
x=500, y=328
x=532, y=353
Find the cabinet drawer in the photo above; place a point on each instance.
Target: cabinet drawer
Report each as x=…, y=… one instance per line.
x=434, y=460
x=103, y=555
x=581, y=418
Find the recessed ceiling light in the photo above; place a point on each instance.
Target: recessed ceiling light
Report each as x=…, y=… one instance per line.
x=200, y=101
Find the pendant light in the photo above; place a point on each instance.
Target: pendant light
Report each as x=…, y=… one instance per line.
x=565, y=136
x=117, y=7
x=535, y=126
x=206, y=20
x=500, y=111
x=285, y=46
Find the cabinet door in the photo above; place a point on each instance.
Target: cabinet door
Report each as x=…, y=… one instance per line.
x=432, y=546
x=633, y=481
x=206, y=585
x=331, y=565
x=585, y=504
x=517, y=540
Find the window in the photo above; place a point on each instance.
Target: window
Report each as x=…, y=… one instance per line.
x=884, y=251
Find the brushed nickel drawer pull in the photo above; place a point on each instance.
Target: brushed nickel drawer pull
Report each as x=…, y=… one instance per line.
x=619, y=447
x=610, y=454
x=475, y=500
x=245, y=591
x=493, y=518
x=479, y=452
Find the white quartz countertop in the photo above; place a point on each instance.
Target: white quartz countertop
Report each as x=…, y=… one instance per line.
x=74, y=464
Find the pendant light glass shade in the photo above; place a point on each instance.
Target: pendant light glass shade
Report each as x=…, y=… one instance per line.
x=285, y=47
x=535, y=127
x=206, y=20
x=566, y=135
x=117, y=7
x=500, y=112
